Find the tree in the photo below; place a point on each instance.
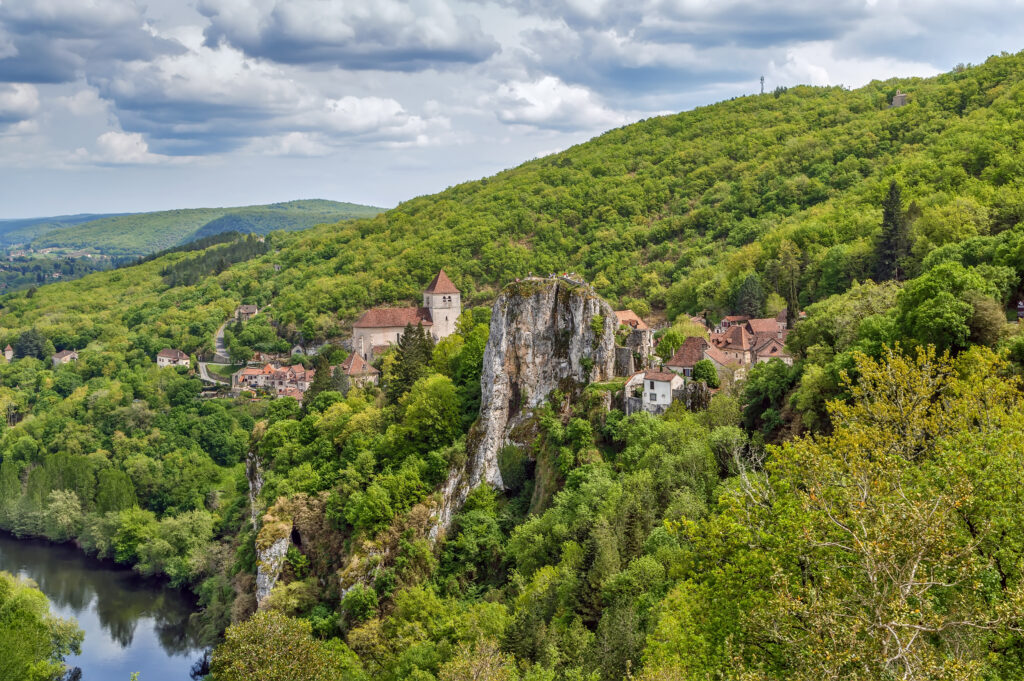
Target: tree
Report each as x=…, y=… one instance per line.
x=750, y=297
x=274, y=647
x=704, y=370
x=30, y=343
x=412, y=360
x=323, y=379
x=893, y=244
x=33, y=643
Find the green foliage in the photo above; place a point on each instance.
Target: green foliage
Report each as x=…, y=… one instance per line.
x=273, y=647
x=704, y=370
x=33, y=643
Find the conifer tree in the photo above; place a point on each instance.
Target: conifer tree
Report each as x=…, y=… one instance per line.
x=412, y=360
x=322, y=379
x=750, y=297
x=893, y=243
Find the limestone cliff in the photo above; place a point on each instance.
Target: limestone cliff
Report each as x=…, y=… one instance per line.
x=546, y=334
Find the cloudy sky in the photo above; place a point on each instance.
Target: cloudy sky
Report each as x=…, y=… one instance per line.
x=125, y=105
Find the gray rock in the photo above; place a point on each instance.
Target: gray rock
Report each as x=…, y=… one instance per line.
x=542, y=339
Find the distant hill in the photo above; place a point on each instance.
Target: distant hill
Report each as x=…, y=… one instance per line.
x=143, y=233
x=24, y=230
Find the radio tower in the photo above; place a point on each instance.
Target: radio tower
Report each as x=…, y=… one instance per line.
x=762, y=85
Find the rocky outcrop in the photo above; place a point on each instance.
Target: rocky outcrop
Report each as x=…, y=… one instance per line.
x=272, y=544
x=546, y=335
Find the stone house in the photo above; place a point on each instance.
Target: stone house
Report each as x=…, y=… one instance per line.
x=359, y=371
x=383, y=326
x=64, y=357
x=8, y=352
x=277, y=379
x=169, y=357
x=244, y=313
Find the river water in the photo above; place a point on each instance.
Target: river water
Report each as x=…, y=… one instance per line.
x=131, y=624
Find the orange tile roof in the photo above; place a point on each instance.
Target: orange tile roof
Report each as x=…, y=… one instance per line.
x=659, y=376
x=441, y=284
x=630, y=318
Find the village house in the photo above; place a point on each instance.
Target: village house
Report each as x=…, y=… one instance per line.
x=169, y=357
x=64, y=357
x=693, y=350
x=772, y=348
x=383, y=326
x=630, y=319
x=651, y=391
x=276, y=379
x=244, y=313
x=359, y=372
x=8, y=352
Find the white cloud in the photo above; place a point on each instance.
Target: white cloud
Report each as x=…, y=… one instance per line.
x=83, y=103
x=18, y=102
x=550, y=103
x=123, y=148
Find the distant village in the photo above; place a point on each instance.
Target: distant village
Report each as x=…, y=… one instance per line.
x=734, y=344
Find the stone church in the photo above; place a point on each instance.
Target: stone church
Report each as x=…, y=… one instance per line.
x=380, y=327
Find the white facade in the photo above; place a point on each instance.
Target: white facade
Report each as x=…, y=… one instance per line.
x=445, y=309
x=658, y=393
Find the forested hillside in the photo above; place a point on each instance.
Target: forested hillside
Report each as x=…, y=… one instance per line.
x=846, y=517
x=144, y=233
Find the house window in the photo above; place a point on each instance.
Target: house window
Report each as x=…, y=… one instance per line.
x=652, y=385
x=687, y=371
x=654, y=397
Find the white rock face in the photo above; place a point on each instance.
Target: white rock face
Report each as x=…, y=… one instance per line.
x=542, y=339
x=268, y=567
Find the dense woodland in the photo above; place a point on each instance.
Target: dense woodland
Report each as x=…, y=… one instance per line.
x=852, y=516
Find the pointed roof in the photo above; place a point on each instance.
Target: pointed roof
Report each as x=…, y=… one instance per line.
x=8, y=347
x=689, y=353
x=355, y=365
x=441, y=284
x=630, y=318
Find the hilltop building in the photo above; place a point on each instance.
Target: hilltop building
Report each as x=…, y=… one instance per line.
x=383, y=326
x=898, y=100
x=169, y=357
x=8, y=352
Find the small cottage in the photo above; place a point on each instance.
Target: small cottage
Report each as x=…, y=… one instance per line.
x=64, y=357
x=170, y=357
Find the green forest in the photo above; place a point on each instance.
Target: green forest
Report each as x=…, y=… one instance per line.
x=143, y=233
x=852, y=516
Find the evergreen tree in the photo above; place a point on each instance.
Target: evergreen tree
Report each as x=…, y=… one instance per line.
x=322, y=379
x=30, y=343
x=341, y=383
x=893, y=243
x=750, y=297
x=412, y=360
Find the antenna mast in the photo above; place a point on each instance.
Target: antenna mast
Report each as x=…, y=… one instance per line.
x=762, y=85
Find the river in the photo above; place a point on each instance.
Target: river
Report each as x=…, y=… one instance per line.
x=131, y=624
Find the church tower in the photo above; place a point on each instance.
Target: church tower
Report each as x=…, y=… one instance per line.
x=444, y=302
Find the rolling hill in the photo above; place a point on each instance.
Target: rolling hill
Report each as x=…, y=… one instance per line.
x=144, y=233
x=669, y=547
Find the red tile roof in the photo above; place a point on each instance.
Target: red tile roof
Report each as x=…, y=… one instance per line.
x=763, y=325
x=737, y=338
x=716, y=355
x=168, y=353
x=689, y=353
x=392, y=317
x=630, y=318
x=355, y=365
x=659, y=376
x=736, y=318
x=441, y=284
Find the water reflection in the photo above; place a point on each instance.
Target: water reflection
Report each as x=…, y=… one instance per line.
x=131, y=624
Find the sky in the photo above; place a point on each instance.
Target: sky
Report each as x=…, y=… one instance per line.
x=126, y=105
